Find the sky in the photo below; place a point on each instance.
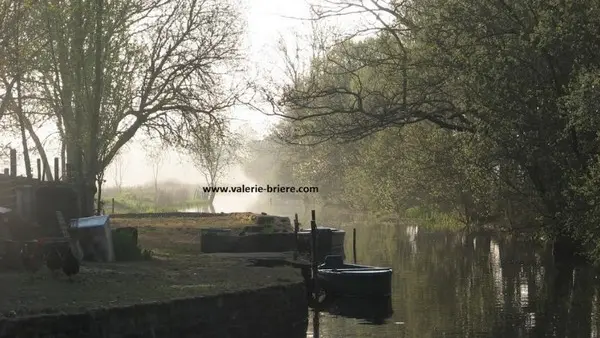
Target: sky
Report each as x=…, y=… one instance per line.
x=267, y=21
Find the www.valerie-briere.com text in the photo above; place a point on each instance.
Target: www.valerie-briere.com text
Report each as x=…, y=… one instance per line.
x=262, y=189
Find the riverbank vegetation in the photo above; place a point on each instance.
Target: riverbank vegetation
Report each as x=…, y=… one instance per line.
x=486, y=111
x=163, y=197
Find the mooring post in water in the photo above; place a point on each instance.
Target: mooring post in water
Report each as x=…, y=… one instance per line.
x=296, y=229
x=314, y=256
x=56, y=168
x=13, y=162
x=39, y=169
x=354, y=244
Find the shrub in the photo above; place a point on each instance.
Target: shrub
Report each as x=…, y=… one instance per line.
x=432, y=219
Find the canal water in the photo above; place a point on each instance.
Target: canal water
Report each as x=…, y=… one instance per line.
x=451, y=285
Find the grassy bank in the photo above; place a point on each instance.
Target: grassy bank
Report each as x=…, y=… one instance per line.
x=179, y=235
x=215, y=220
x=434, y=220
x=166, y=197
x=177, y=269
x=424, y=218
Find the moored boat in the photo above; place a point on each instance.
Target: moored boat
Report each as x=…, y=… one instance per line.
x=353, y=280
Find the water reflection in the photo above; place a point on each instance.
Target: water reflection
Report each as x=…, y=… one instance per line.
x=315, y=324
x=370, y=311
x=451, y=285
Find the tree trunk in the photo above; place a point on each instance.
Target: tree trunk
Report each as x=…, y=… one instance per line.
x=26, y=157
x=155, y=192
x=94, y=127
x=90, y=190
x=39, y=146
x=20, y=101
x=63, y=158
x=211, y=197
x=100, y=181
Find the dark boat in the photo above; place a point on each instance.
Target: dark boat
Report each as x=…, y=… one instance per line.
x=352, y=280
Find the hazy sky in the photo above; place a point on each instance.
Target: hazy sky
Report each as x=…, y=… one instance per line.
x=268, y=20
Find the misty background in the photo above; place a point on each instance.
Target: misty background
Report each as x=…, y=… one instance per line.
x=269, y=26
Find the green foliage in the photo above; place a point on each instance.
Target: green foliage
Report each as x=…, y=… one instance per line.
x=484, y=110
x=434, y=220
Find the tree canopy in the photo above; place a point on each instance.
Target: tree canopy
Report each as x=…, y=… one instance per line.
x=486, y=109
x=103, y=70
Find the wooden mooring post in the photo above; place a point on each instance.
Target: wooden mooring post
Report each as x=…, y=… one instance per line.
x=56, y=169
x=39, y=169
x=296, y=229
x=354, y=244
x=314, y=253
x=13, y=163
x=113, y=206
x=44, y=172
x=316, y=323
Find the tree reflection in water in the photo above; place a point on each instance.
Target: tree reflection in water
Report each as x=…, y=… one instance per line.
x=451, y=285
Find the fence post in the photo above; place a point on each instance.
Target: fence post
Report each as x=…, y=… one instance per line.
x=13, y=162
x=39, y=169
x=56, y=169
x=354, y=244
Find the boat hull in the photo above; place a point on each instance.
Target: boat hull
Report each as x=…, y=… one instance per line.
x=357, y=281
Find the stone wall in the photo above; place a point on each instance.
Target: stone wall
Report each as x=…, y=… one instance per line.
x=273, y=312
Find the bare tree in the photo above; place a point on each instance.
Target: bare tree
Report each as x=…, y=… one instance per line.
x=349, y=86
x=8, y=20
x=118, y=166
x=15, y=60
x=155, y=66
x=100, y=182
x=155, y=157
x=213, y=149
